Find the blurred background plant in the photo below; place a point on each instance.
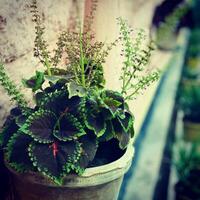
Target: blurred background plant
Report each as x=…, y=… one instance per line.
x=187, y=164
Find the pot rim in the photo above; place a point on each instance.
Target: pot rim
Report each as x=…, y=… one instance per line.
x=91, y=177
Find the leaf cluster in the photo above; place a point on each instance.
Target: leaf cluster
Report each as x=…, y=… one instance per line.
x=189, y=97
x=187, y=163
x=136, y=58
x=73, y=112
x=186, y=158
x=62, y=132
x=83, y=55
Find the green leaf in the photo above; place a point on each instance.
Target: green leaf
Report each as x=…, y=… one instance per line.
x=40, y=126
x=56, y=159
x=35, y=82
x=89, y=147
x=126, y=122
x=109, y=132
x=17, y=152
x=20, y=120
x=54, y=79
x=75, y=90
x=121, y=134
x=8, y=132
x=55, y=101
x=96, y=123
x=123, y=138
x=112, y=105
x=132, y=131
x=68, y=127
x=119, y=100
x=113, y=102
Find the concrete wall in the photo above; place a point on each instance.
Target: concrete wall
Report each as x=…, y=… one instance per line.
x=17, y=33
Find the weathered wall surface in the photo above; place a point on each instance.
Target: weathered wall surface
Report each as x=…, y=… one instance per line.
x=17, y=33
x=17, y=37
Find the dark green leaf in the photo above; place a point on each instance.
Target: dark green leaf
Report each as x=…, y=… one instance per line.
x=126, y=122
x=75, y=90
x=119, y=100
x=55, y=101
x=109, y=132
x=89, y=148
x=123, y=138
x=8, y=132
x=56, y=158
x=68, y=128
x=75, y=106
x=40, y=126
x=112, y=105
x=18, y=152
x=34, y=82
x=55, y=78
x=120, y=133
x=20, y=120
x=96, y=123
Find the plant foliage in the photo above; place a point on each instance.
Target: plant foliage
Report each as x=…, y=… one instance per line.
x=167, y=28
x=73, y=111
x=134, y=80
x=11, y=88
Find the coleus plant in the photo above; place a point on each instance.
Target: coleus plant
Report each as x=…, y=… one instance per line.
x=73, y=112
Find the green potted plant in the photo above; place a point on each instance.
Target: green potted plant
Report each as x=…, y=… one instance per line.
x=187, y=163
x=75, y=141
x=189, y=103
x=189, y=90
x=166, y=34
x=192, y=68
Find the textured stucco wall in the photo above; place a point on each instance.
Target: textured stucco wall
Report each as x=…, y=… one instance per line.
x=17, y=37
x=17, y=29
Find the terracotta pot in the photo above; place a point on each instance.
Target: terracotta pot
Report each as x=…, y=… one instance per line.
x=97, y=183
x=191, y=131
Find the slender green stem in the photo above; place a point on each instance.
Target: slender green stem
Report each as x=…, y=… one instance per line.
x=132, y=74
x=76, y=75
x=82, y=60
x=47, y=64
x=124, y=79
x=132, y=94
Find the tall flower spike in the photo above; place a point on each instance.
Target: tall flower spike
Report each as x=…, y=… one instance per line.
x=11, y=88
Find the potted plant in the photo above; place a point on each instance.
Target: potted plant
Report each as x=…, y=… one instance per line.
x=187, y=163
x=189, y=103
x=75, y=141
x=192, y=68
x=189, y=90
x=165, y=35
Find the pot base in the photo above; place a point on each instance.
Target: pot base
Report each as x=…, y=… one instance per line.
x=96, y=183
x=31, y=191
